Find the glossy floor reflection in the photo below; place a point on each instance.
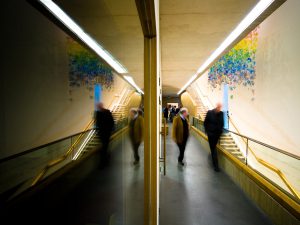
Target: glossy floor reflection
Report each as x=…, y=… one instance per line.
x=196, y=195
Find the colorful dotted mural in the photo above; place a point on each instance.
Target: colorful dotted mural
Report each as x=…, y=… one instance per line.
x=86, y=69
x=237, y=67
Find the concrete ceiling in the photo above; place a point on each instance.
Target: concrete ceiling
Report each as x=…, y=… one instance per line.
x=190, y=31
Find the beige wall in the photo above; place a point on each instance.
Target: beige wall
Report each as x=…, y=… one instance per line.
x=36, y=107
x=135, y=100
x=188, y=103
x=273, y=116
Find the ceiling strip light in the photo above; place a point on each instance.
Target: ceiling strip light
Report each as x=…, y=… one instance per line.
x=90, y=42
x=131, y=81
x=260, y=7
x=191, y=80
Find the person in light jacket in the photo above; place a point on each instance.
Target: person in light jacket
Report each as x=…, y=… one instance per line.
x=136, y=129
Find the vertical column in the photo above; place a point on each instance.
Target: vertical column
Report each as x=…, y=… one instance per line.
x=151, y=150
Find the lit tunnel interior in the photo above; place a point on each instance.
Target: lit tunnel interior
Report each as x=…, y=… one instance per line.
x=61, y=58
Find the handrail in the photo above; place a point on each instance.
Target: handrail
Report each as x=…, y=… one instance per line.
x=266, y=164
x=269, y=166
x=62, y=158
x=259, y=160
x=40, y=147
x=266, y=145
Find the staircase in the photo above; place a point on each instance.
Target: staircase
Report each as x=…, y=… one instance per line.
x=92, y=144
x=228, y=143
x=119, y=107
x=226, y=140
x=202, y=111
x=119, y=111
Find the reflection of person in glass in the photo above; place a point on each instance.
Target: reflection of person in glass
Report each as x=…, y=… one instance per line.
x=136, y=127
x=214, y=123
x=180, y=132
x=104, y=126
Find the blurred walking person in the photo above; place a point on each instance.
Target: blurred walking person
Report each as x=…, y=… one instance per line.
x=166, y=112
x=172, y=113
x=214, y=123
x=136, y=129
x=180, y=132
x=178, y=109
x=104, y=127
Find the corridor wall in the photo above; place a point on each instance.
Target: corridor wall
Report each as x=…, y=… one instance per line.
x=37, y=105
x=188, y=103
x=270, y=113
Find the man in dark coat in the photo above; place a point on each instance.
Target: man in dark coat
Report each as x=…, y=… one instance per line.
x=104, y=125
x=180, y=133
x=214, y=123
x=178, y=109
x=166, y=112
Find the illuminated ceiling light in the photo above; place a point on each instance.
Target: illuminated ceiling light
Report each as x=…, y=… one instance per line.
x=191, y=80
x=131, y=81
x=77, y=30
x=260, y=7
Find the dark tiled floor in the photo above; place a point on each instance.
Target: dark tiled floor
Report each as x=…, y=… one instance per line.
x=196, y=195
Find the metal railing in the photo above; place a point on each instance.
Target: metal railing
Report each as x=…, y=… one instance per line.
x=64, y=156
x=163, y=158
x=21, y=169
x=118, y=126
x=250, y=154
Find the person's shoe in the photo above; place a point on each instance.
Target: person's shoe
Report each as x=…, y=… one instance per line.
x=181, y=163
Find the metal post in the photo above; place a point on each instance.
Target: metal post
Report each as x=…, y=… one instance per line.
x=247, y=151
x=228, y=119
x=165, y=134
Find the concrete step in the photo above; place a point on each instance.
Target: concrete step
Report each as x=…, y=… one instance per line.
x=226, y=136
x=227, y=142
x=232, y=149
x=228, y=145
x=236, y=153
x=93, y=144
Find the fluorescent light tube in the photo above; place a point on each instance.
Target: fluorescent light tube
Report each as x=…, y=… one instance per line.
x=260, y=7
x=69, y=23
x=131, y=81
x=191, y=80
